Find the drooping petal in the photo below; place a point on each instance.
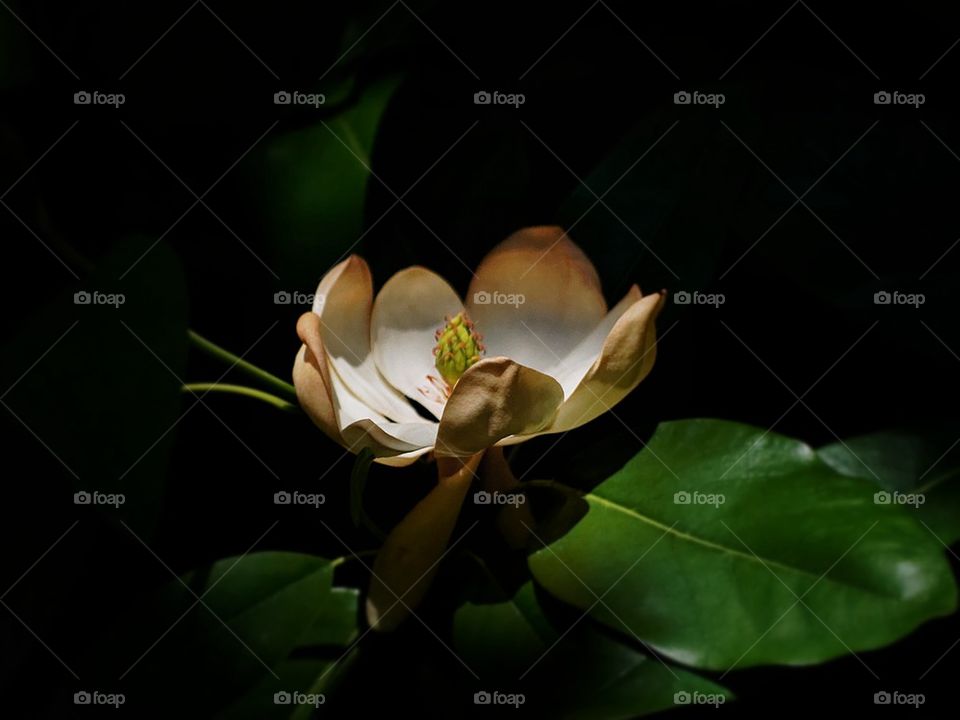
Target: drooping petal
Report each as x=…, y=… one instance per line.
x=494, y=399
x=627, y=357
x=343, y=302
x=408, y=560
x=409, y=309
x=535, y=297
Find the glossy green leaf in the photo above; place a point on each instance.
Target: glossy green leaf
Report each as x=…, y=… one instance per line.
x=567, y=672
x=791, y=563
x=237, y=641
x=919, y=471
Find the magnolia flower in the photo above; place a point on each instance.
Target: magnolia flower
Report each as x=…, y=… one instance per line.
x=532, y=350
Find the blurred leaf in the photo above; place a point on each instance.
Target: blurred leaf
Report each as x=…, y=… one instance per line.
x=358, y=481
x=104, y=398
x=585, y=673
x=313, y=185
x=906, y=464
x=667, y=192
x=716, y=584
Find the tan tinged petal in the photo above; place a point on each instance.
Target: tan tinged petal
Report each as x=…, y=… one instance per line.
x=409, y=309
x=492, y=400
x=572, y=368
x=344, y=301
x=312, y=380
x=535, y=297
x=408, y=560
x=627, y=357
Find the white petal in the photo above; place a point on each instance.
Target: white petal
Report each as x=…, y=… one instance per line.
x=535, y=297
x=408, y=311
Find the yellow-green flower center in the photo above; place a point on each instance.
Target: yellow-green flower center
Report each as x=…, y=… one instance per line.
x=459, y=346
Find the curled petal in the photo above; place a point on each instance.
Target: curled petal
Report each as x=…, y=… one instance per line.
x=627, y=357
x=343, y=303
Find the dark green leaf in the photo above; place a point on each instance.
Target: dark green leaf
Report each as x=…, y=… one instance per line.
x=314, y=184
x=255, y=611
x=917, y=470
x=105, y=398
x=582, y=673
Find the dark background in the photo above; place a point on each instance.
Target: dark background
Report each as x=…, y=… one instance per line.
x=884, y=217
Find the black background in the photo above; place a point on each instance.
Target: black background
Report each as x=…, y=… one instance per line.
x=796, y=301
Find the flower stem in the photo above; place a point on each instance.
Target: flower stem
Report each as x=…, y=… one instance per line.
x=205, y=387
x=262, y=375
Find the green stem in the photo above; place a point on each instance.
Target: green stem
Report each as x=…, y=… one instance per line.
x=262, y=375
x=241, y=390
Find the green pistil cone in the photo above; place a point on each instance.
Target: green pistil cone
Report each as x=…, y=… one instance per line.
x=459, y=346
